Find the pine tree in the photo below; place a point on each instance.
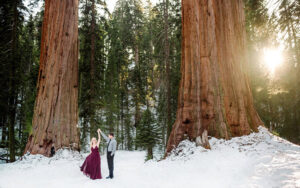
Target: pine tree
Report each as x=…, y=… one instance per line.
x=29, y=66
x=12, y=20
x=159, y=55
x=148, y=133
x=92, y=59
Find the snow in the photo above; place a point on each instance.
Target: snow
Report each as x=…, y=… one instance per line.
x=257, y=160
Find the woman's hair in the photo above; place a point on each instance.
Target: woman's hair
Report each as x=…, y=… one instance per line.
x=91, y=143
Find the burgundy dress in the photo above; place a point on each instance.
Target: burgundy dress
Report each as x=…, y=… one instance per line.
x=91, y=166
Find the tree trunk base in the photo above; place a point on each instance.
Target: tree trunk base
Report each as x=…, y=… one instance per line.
x=203, y=140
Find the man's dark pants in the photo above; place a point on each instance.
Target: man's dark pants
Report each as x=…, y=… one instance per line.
x=110, y=162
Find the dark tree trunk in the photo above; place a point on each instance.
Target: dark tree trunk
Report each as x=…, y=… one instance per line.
x=56, y=111
x=92, y=73
x=137, y=115
x=149, y=153
x=127, y=122
x=167, y=64
x=4, y=131
x=214, y=95
x=12, y=87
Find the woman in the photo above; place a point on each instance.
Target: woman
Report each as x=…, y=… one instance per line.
x=91, y=166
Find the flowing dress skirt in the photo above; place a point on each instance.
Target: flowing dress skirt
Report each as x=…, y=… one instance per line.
x=91, y=166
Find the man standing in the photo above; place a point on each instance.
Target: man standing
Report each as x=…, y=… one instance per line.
x=111, y=149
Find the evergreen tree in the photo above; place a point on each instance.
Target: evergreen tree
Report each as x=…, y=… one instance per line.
x=276, y=97
x=91, y=65
x=174, y=59
x=29, y=66
x=148, y=133
x=12, y=20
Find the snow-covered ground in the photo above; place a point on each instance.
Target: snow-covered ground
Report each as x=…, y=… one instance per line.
x=258, y=160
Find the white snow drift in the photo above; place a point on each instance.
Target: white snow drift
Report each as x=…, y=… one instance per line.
x=257, y=160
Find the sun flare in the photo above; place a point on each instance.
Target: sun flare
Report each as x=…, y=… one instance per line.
x=272, y=58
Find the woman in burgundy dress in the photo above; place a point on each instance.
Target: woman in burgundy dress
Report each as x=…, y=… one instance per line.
x=91, y=166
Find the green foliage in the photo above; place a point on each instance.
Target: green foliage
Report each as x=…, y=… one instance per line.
x=19, y=64
x=29, y=67
x=91, y=72
x=160, y=84
x=276, y=96
x=148, y=133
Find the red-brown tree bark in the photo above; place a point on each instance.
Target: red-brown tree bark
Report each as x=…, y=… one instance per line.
x=214, y=96
x=56, y=109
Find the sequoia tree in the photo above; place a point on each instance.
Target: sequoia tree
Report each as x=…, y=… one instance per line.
x=214, y=96
x=55, y=111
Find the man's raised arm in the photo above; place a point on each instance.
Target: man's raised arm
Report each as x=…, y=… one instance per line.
x=104, y=136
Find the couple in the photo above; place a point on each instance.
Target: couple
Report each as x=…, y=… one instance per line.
x=91, y=166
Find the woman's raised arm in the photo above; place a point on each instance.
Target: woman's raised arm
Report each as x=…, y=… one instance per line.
x=99, y=138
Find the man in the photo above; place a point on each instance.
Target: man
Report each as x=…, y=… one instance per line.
x=111, y=150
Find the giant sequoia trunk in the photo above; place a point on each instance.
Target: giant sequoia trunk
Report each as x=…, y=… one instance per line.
x=214, y=95
x=55, y=112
